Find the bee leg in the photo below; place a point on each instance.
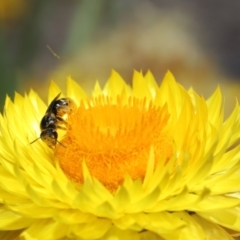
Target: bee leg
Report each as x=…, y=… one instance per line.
x=64, y=123
x=61, y=127
x=61, y=120
x=61, y=144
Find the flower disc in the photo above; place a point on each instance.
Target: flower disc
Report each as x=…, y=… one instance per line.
x=114, y=139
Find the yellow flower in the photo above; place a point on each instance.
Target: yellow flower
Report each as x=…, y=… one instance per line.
x=140, y=162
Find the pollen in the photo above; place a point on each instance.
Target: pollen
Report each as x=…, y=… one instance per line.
x=113, y=138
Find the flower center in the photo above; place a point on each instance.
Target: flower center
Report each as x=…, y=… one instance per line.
x=114, y=139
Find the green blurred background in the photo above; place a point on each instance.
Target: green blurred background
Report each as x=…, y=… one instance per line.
x=198, y=40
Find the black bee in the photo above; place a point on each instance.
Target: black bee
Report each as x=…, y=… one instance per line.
x=53, y=120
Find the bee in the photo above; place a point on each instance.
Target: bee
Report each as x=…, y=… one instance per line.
x=54, y=119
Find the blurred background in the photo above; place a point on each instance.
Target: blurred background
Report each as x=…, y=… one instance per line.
x=197, y=40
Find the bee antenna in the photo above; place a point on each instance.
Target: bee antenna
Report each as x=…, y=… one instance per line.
x=34, y=140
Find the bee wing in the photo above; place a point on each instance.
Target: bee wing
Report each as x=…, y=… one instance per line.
x=49, y=109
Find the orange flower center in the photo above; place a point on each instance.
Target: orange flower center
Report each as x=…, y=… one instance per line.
x=114, y=139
